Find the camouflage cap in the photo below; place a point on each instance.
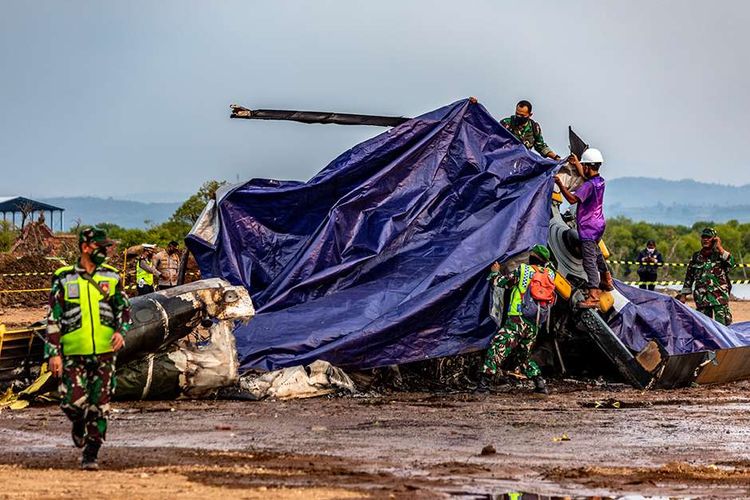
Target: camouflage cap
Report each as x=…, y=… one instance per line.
x=541, y=251
x=708, y=232
x=93, y=234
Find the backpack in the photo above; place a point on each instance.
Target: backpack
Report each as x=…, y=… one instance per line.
x=539, y=297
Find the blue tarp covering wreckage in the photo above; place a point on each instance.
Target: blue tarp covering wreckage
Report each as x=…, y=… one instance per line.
x=382, y=257
x=646, y=315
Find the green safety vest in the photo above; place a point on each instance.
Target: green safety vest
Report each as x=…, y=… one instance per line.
x=142, y=274
x=88, y=321
x=516, y=295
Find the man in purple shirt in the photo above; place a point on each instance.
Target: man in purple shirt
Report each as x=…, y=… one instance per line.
x=590, y=222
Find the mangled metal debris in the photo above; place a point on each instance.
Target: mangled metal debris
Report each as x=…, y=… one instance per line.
x=161, y=318
x=189, y=369
x=319, y=378
x=181, y=342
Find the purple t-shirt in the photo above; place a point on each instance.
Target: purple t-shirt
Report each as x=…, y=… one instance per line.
x=590, y=214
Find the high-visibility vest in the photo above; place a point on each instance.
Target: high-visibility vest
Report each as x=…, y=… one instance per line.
x=516, y=295
x=87, y=322
x=142, y=274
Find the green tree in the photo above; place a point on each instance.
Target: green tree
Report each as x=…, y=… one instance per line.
x=189, y=211
x=7, y=235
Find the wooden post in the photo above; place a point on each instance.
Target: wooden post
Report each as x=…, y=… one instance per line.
x=124, y=275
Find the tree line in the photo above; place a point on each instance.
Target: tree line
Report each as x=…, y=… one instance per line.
x=677, y=243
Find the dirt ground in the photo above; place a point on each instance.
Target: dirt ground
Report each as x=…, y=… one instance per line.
x=18, y=317
x=691, y=442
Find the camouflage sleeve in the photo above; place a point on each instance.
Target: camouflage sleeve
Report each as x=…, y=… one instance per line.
x=505, y=122
x=539, y=144
x=121, y=309
x=687, y=285
x=506, y=280
x=56, y=302
x=728, y=260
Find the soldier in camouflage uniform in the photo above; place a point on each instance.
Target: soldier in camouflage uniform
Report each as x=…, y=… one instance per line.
x=89, y=314
x=527, y=130
x=517, y=336
x=707, y=278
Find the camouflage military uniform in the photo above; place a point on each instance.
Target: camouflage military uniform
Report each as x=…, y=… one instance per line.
x=86, y=386
x=515, y=339
x=530, y=134
x=707, y=279
x=87, y=381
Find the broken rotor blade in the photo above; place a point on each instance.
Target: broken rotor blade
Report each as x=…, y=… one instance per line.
x=316, y=117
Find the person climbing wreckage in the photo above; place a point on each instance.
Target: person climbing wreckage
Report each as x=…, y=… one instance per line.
x=526, y=130
x=590, y=222
x=532, y=297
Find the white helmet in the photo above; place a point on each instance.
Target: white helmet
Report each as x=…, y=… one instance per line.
x=592, y=155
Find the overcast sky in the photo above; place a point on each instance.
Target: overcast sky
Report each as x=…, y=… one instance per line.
x=115, y=98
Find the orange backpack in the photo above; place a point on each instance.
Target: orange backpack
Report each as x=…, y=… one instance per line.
x=539, y=297
x=542, y=288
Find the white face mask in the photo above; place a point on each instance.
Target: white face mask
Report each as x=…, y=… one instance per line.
x=651, y=250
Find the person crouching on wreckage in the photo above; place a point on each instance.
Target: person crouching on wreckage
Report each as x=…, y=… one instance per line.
x=89, y=314
x=531, y=299
x=590, y=222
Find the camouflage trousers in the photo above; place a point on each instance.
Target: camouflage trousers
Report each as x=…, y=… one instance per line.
x=722, y=314
x=514, y=340
x=86, y=386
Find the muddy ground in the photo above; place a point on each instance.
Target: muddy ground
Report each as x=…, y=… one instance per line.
x=688, y=442
x=691, y=442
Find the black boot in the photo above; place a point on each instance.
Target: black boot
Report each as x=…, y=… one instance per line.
x=90, y=452
x=483, y=387
x=79, y=433
x=540, y=386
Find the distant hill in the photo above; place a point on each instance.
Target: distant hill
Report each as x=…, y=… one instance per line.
x=645, y=191
x=685, y=215
x=676, y=202
x=125, y=213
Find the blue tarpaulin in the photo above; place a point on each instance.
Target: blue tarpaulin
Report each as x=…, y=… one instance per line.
x=382, y=257
x=647, y=315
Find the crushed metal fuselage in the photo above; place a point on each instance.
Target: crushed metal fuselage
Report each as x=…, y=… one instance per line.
x=161, y=318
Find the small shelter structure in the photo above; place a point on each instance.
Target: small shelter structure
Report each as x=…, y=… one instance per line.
x=26, y=209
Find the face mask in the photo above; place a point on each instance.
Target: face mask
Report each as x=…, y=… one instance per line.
x=99, y=255
x=650, y=250
x=520, y=120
